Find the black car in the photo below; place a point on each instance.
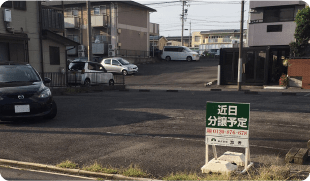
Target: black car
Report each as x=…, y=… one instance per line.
x=23, y=93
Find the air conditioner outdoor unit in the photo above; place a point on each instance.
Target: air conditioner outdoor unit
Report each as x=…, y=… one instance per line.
x=81, y=54
x=111, y=53
x=111, y=47
x=7, y=15
x=81, y=48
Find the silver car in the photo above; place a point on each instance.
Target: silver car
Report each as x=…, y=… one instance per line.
x=119, y=65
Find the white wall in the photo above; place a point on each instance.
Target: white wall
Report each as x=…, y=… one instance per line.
x=258, y=35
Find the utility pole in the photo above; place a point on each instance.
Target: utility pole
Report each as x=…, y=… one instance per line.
x=190, y=34
x=182, y=16
x=240, y=47
x=89, y=34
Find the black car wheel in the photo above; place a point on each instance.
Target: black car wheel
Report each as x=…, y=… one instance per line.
x=53, y=113
x=111, y=82
x=168, y=58
x=87, y=83
x=189, y=59
x=124, y=72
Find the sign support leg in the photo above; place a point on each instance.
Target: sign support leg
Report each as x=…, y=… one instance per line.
x=214, y=152
x=207, y=153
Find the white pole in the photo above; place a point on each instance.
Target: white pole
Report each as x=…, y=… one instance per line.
x=219, y=75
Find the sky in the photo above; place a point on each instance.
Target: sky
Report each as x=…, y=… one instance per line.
x=202, y=15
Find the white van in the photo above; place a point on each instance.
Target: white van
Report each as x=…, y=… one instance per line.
x=179, y=53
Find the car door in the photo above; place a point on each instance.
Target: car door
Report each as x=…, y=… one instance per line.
x=181, y=55
x=102, y=75
x=117, y=68
x=107, y=64
x=92, y=73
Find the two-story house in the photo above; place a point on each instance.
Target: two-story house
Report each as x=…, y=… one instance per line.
x=117, y=27
x=28, y=33
x=271, y=28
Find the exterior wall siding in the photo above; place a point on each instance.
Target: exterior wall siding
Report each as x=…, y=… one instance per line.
x=133, y=16
x=62, y=50
x=258, y=35
x=256, y=4
x=133, y=40
x=29, y=21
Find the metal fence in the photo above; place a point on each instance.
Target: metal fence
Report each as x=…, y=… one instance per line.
x=74, y=78
x=133, y=53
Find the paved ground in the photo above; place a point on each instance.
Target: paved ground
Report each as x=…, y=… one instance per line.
x=23, y=174
x=161, y=131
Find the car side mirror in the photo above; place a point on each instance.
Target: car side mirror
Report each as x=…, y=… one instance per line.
x=47, y=80
x=119, y=64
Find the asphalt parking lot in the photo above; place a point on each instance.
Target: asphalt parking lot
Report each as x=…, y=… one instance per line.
x=162, y=132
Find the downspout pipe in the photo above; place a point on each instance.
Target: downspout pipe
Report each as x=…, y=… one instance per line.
x=40, y=38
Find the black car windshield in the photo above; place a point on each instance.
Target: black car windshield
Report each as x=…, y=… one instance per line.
x=123, y=61
x=77, y=66
x=18, y=73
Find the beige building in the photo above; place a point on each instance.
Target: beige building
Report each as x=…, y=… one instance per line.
x=118, y=27
x=158, y=42
x=25, y=37
x=217, y=38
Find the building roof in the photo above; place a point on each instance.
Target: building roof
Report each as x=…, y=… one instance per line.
x=83, y=3
x=156, y=37
x=221, y=31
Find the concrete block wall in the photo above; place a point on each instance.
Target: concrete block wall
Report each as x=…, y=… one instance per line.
x=300, y=67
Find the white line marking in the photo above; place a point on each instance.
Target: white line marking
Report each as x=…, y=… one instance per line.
x=53, y=173
x=307, y=94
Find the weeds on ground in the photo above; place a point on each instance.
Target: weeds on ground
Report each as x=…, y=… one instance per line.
x=98, y=168
x=134, y=171
x=67, y=164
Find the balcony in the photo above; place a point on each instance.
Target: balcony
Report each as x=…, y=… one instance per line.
x=154, y=29
x=72, y=22
x=99, y=21
x=52, y=20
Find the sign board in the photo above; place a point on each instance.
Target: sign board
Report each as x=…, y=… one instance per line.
x=227, y=124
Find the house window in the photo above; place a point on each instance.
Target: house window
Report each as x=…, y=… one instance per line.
x=274, y=28
x=74, y=38
x=98, y=10
x=197, y=38
x=21, y=5
x=7, y=4
x=279, y=14
x=54, y=55
x=72, y=12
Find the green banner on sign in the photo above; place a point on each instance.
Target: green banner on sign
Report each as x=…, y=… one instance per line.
x=228, y=115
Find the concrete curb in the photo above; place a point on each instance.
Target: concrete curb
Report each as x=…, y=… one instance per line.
x=52, y=168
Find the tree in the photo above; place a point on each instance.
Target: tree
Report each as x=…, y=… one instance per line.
x=302, y=33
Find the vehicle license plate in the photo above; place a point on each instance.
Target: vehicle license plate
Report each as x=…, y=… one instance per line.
x=22, y=108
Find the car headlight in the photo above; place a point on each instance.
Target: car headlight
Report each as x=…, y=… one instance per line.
x=45, y=93
x=194, y=55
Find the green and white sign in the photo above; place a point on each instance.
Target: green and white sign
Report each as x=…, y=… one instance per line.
x=227, y=124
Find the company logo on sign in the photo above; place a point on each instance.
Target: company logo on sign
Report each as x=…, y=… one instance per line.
x=20, y=97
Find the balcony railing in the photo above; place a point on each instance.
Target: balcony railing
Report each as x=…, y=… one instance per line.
x=133, y=53
x=52, y=20
x=72, y=22
x=99, y=21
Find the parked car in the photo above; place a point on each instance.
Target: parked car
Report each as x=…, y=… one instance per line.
x=23, y=93
x=88, y=73
x=179, y=53
x=119, y=65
